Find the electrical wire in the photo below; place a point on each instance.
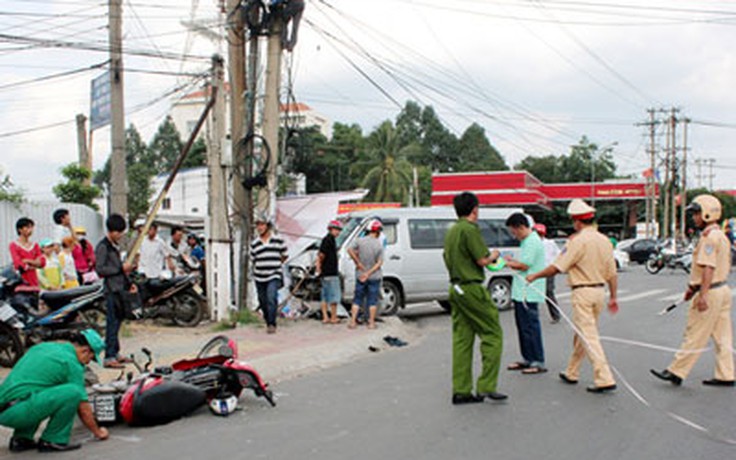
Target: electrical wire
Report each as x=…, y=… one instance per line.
x=53, y=76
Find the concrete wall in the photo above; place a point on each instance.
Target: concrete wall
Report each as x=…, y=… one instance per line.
x=40, y=213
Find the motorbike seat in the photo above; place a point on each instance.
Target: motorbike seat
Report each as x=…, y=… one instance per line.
x=57, y=299
x=158, y=285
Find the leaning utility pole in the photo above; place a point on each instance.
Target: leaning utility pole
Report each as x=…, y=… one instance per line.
x=218, y=267
x=85, y=160
x=236, y=59
x=118, y=176
x=271, y=121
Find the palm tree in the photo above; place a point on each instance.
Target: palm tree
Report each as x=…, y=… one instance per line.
x=389, y=173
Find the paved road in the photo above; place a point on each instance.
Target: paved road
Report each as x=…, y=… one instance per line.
x=395, y=404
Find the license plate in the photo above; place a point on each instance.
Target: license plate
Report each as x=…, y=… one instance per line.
x=104, y=408
x=197, y=288
x=7, y=312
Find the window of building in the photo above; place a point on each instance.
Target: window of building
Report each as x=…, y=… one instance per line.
x=166, y=203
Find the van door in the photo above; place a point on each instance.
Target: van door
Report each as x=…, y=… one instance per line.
x=425, y=276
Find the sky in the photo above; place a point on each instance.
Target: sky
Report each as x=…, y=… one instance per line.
x=536, y=74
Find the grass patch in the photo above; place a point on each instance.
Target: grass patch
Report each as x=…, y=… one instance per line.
x=245, y=316
x=223, y=326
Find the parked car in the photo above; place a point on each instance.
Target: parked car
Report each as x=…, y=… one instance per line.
x=640, y=250
x=413, y=268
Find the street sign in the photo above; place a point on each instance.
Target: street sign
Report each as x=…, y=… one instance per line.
x=100, y=111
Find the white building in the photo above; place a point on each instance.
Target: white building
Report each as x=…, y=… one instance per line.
x=186, y=111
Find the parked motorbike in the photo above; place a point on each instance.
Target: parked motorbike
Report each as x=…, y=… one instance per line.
x=666, y=257
x=67, y=311
x=216, y=369
x=179, y=299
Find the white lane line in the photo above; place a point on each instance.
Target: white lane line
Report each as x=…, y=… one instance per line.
x=567, y=294
x=641, y=295
x=673, y=297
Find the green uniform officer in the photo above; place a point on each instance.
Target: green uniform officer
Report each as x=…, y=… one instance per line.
x=48, y=383
x=473, y=310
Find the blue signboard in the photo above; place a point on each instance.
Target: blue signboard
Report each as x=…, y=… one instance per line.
x=100, y=107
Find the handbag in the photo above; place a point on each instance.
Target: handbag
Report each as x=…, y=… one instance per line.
x=90, y=277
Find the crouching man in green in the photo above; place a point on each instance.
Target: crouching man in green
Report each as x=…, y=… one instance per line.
x=48, y=383
x=473, y=310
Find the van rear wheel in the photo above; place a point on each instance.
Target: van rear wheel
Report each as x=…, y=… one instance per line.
x=500, y=289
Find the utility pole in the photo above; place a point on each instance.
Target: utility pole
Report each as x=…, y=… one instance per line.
x=118, y=176
x=711, y=162
x=699, y=174
x=85, y=160
x=675, y=167
x=218, y=268
x=667, y=188
x=271, y=121
x=236, y=59
x=651, y=185
x=683, y=191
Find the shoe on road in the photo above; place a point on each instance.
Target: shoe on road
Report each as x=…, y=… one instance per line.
x=21, y=444
x=45, y=446
x=603, y=389
x=466, y=399
x=719, y=383
x=668, y=376
x=567, y=379
x=495, y=396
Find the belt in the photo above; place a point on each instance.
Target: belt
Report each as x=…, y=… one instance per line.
x=578, y=286
x=712, y=286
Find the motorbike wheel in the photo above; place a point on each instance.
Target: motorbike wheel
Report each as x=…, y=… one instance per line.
x=95, y=317
x=653, y=266
x=189, y=309
x=11, y=346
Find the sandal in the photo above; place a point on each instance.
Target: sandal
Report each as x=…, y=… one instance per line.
x=534, y=370
x=517, y=366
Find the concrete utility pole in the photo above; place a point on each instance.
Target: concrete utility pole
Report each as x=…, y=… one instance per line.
x=666, y=184
x=271, y=121
x=236, y=59
x=652, y=179
x=218, y=268
x=674, y=166
x=118, y=176
x=711, y=175
x=683, y=192
x=85, y=159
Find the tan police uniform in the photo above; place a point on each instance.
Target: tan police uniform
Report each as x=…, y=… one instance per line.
x=713, y=250
x=589, y=263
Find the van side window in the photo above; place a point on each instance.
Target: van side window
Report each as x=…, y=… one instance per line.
x=428, y=233
x=495, y=233
x=389, y=230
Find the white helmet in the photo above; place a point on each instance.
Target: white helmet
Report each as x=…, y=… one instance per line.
x=224, y=404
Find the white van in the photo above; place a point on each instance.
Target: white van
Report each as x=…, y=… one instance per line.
x=413, y=267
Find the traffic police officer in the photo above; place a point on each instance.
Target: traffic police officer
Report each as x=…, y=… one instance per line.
x=473, y=310
x=48, y=383
x=589, y=263
x=710, y=311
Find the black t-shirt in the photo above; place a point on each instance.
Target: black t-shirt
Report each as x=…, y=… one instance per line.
x=329, y=249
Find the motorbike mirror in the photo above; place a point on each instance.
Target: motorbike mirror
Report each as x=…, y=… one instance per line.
x=146, y=351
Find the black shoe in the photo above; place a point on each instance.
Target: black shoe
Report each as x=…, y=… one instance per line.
x=45, y=446
x=719, y=383
x=604, y=389
x=466, y=399
x=493, y=395
x=667, y=375
x=567, y=379
x=21, y=444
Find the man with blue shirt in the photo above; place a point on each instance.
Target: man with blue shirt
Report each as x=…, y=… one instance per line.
x=527, y=297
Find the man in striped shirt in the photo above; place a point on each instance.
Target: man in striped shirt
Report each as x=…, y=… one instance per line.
x=268, y=253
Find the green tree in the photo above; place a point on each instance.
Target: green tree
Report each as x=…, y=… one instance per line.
x=388, y=176
x=75, y=189
x=544, y=168
x=165, y=146
x=585, y=162
x=476, y=153
x=8, y=190
x=197, y=155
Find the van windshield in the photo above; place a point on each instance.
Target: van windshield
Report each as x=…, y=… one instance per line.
x=347, y=230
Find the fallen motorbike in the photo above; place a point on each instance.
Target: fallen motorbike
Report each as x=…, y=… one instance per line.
x=213, y=372
x=179, y=299
x=665, y=257
x=22, y=326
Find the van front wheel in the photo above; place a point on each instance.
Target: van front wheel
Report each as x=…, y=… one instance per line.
x=392, y=298
x=500, y=290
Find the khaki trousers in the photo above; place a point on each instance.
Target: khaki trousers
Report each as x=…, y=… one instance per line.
x=587, y=304
x=713, y=323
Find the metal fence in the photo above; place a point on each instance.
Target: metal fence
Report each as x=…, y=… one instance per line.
x=40, y=213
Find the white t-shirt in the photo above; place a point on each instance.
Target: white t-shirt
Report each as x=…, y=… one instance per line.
x=153, y=255
x=551, y=251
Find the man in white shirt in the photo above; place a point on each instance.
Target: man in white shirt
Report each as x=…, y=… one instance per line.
x=551, y=251
x=153, y=254
x=63, y=228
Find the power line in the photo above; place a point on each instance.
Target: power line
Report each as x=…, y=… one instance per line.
x=53, y=76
